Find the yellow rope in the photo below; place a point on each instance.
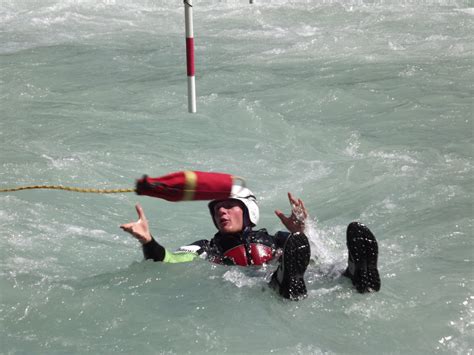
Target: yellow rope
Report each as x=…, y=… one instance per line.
x=67, y=188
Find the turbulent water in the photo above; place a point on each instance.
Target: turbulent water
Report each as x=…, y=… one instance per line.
x=362, y=108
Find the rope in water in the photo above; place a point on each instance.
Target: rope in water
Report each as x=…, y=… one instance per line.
x=68, y=188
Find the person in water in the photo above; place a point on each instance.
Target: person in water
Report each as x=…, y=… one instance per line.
x=237, y=243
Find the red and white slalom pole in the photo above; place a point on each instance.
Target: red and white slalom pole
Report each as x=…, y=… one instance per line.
x=188, y=17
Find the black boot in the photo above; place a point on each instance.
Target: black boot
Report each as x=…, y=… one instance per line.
x=288, y=279
x=363, y=254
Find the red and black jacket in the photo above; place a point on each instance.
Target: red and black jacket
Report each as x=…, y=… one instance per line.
x=246, y=248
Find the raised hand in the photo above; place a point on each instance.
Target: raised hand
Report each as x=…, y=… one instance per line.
x=296, y=221
x=139, y=229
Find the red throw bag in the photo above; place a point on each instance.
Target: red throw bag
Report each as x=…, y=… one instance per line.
x=187, y=186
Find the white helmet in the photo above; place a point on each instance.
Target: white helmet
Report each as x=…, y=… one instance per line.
x=245, y=196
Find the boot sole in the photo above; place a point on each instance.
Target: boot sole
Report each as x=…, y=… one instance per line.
x=295, y=260
x=363, y=253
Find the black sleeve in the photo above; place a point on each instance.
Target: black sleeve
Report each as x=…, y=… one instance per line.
x=280, y=238
x=153, y=250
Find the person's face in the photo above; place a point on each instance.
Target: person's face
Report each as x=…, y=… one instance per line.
x=229, y=216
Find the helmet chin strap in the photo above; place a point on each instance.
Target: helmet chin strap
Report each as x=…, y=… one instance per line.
x=247, y=230
x=246, y=218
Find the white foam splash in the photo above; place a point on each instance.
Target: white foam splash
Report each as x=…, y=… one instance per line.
x=322, y=248
x=239, y=278
x=469, y=11
x=353, y=144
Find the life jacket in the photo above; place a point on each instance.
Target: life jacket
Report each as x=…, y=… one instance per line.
x=247, y=248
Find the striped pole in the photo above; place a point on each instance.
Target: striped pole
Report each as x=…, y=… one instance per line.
x=188, y=16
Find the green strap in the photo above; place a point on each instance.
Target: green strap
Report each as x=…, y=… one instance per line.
x=179, y=257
